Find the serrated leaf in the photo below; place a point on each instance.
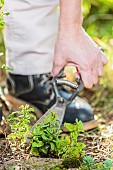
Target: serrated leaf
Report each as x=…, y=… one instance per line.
x=14, y=127
x=52, y=146
x=45, y=137
x=37, y=131
x=37, y=144
x=44, y=150
x=34, y=151
x=79, y=126
x=69, y=126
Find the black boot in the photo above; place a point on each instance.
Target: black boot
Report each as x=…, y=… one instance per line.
x=38, y=91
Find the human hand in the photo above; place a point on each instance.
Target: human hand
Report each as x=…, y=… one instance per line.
x=77, y=48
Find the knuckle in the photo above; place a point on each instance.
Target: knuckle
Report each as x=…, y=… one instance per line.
x=95, y=82
x=88, y=85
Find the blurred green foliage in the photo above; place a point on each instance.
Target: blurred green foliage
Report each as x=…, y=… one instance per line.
x=98, y=22
x=2, y=48
x=98, y=18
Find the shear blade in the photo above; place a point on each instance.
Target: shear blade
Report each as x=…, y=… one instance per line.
x=59, y=109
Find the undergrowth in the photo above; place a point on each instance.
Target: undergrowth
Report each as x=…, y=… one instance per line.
x=47, y=140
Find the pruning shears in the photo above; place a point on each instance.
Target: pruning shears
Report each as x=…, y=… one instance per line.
x=60, y=106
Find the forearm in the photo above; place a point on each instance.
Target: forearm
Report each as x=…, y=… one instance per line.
x=70, y=14
x=74, y=46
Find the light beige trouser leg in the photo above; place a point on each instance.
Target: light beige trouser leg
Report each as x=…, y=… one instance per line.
x=30, y=34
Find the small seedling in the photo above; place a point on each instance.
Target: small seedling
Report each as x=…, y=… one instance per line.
x=90, y=164
x=74, y=154
x=20, y=126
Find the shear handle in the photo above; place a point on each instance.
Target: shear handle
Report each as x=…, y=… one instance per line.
x=80, y=88
x=66, y=82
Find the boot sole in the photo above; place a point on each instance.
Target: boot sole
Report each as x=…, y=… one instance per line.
x=18, y=102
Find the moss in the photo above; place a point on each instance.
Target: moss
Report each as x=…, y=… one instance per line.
x=36, y=165
x=58, y=166
x=71, y=162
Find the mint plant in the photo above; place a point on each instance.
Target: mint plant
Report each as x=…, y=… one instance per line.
x=48, y=140
x=45, y=136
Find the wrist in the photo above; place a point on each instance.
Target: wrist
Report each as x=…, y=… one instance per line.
x=71, y=29
x=69, y=24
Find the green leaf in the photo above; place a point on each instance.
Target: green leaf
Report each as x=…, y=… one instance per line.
x=52, y=146
x=34, y=151
x=31, y=116
x=26, y=121
x=4, y=66
x=6, y=13
x=14, y=127
x=88, y=161
x=79, y=126
x=43, y=150
x=2, y=1
x=45, y=137
x=11, y=136
x=108, y=164
x=69, y=126
x=37, y=131
x=37, y=144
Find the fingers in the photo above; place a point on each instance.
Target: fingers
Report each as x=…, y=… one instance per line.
x=57, y=66
x=100, y=70
x=103, y=58
x=86, y=76
x=94, y=74
x=100, y=67
x=91, y=75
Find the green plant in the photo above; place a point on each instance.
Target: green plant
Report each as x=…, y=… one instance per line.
x=1, y=18
x=45, y=135
x=74, y=154
x=6, y=67
x=107, y=165
x=56, y=167
x=19, y=123
x=2, y=14
x=90, y=164
x=46, y=139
